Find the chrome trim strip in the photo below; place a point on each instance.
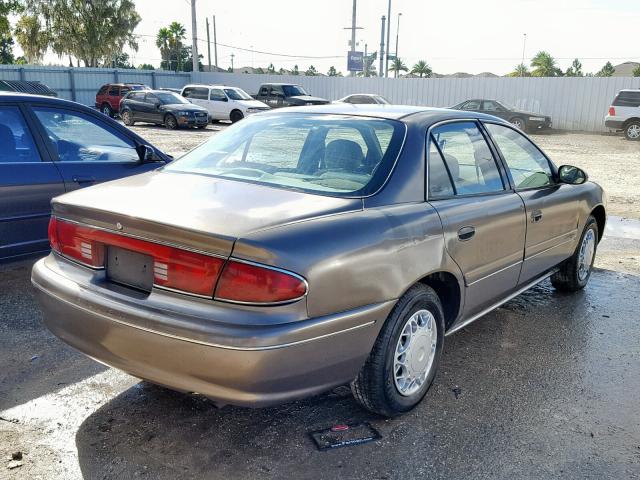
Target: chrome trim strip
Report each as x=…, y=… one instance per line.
x=200, y=342
x=268, y=267
x=146, y=239
x=519, y=262
x=554, y=246
x=501, y=302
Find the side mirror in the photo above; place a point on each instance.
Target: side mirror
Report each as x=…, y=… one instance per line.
x=146, y=153
x=572, y=175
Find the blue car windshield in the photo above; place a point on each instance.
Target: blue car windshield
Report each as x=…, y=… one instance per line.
x=335, y=155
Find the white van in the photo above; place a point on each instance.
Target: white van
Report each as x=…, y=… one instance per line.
x=624, y=114
x=223, y=103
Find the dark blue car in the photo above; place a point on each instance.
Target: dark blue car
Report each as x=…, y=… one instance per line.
x=50, y=146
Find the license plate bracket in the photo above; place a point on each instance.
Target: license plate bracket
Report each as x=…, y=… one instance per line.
x=130, y=268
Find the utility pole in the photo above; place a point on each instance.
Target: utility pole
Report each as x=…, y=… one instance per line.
x=524, y=45
x=194, y=34
x=381, y=71
x=398, y=34
x=386, y=70
x=209, y=44
x=232, y=55
x=366, y=61
x=215, y=43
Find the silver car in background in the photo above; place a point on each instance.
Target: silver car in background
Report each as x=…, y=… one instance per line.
x=312, y=247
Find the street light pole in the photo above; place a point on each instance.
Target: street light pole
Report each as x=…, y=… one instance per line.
x=524, y=44
x=386, y=70
x=194, y=35
x=397, y=34
x=381, y=70
x=353, y=30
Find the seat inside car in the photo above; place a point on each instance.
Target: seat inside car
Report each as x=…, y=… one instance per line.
x=343, y=155
x=8, y=142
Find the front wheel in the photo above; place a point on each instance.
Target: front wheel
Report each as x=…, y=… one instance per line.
x=404, y=360
x=574, y=272
x=632, y=131
x=170, y=122
x=236, y=116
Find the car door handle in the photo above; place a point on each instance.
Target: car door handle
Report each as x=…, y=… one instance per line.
x=79, y=179
x=466, y=233
x=536, y=216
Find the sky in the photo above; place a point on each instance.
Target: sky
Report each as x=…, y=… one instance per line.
x=452, y=36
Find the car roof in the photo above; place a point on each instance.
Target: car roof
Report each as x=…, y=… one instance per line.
x=406, y=113
x=30, y=97
x=280, y=83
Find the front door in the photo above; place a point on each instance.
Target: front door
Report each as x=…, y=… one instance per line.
x=86, y=149
x=494, y=108
x=28, y=181
x=483, y=220
x=219, y=104
x=552, y=210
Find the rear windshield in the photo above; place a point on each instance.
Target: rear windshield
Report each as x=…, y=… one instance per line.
x=334, y=155
x=627, y=99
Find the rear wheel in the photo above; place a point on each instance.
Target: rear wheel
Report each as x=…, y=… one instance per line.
x=574, y=272
x=236, y=116
x=632, y=130
x=127, y=118
x=106, y=109
x=170, y=122
x=403, y=363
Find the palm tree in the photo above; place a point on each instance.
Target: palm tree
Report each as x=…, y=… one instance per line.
x=398, y=66
x=163, y=42
x=422, y=69
x=178, y=34
x=544, y=65
x=520, y=71
x=575, y=70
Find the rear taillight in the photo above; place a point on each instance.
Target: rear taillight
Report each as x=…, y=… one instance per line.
x=612, y=111
x=173, y=268
x=248, y=283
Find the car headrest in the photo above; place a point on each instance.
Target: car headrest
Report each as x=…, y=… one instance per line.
x=486, y=164
x=7, y=140
x=344, y=155
x=453, y=164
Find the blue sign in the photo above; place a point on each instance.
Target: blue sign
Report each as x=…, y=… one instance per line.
x=355, y=61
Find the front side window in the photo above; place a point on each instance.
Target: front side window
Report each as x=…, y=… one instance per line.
x=170, y=98
x=528, y=166
x=491, y=106
x=77, y=137
x=329, y=154
x=16, y=142
x=468, y=158
x=237, y=94
x=293, y=91
x=217, y=95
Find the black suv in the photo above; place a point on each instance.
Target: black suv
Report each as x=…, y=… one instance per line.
x=525, y=121
x=162, y=108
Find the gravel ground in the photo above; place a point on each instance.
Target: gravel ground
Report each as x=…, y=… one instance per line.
x=610, y=160
x=547, y=386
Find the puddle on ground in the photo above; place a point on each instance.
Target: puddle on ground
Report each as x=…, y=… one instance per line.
x=622, y=228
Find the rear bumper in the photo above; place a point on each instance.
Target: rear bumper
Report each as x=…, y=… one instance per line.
x=614, y=124
x=248, y=365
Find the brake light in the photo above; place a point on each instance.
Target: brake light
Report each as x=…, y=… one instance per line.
x=612, y=111
x=248, y=283
x=174, y=268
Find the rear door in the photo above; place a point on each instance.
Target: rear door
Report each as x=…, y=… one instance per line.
x=28, y=181
x=483, y=219
x=551, y=207
x=85, y=148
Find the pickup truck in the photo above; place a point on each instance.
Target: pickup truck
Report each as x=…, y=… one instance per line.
x=278, y=95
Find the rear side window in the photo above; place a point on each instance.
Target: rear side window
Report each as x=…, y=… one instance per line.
x=468, y=158
x=528, y=166
x=472, y=105
x=114, y=91
x=103, y=90
x=438, y=177
x=15, y=138
x=627, y=99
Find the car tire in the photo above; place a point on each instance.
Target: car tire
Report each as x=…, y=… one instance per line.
x=170, y=122
x=519, y=123
x=127, y=118
x=236, y=116
x=574, y=273
x=107, y=110
x=632, y=131
x=383, y=385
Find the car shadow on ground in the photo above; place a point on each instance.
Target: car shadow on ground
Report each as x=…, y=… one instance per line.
x=534, y=389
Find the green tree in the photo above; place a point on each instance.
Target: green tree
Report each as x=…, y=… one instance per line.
x=121, y=60
x=636, y=71
x=146, y=66
x=32, y=37
x=177, y=34
x=369, y=67
x=7, y=7
x=520, y=71
x=575, y=70
x=271, y=70
x=544, y=65
x=93, y=31
x=311, y=71
x=606, y=71
x=163, y=42
x=6, y=50
x=295, y=70
x=422, y=69
x=398, y=66
x=332, y=71
x=282, y=71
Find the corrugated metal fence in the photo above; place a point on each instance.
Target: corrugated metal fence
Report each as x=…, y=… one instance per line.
x=573, y=103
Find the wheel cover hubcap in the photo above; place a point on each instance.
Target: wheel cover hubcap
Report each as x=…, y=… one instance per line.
x=634, y=131
x=415, y=352
x=585, y=257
